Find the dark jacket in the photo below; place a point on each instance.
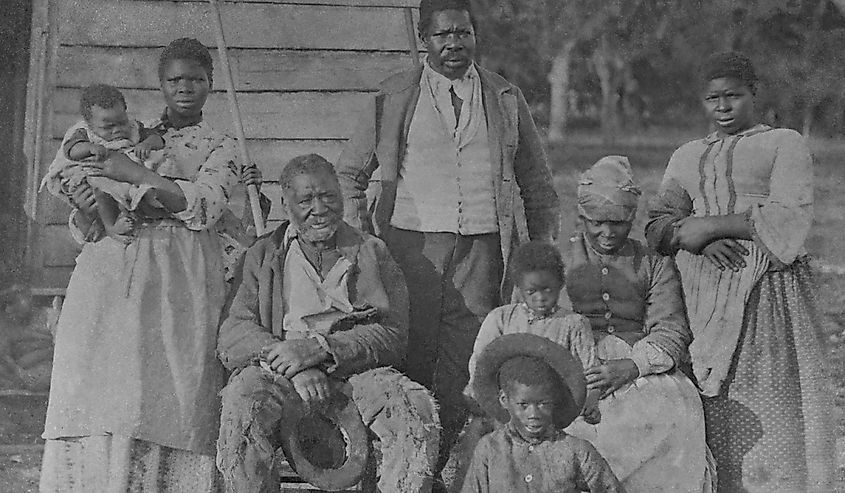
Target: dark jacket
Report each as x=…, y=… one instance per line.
x=254, y=316
x=516, y=152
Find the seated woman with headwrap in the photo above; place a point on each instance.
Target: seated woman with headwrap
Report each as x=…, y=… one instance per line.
x=652, y=424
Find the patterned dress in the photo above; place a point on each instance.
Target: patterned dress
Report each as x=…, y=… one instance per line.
x=651, y=430
x=756, y=352
x=133, y=401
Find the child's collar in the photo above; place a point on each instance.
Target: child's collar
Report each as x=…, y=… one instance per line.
x=554, y=434
x=534, y=316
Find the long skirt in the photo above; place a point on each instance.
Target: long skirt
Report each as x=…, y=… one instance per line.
x=769, y=427
x=117, y=464
x=651, y=431
x=135, y=344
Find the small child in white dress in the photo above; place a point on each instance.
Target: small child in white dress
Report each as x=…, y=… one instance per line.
x=537, y=269
x=104, y=129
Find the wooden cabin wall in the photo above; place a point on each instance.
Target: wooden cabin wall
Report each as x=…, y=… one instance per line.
x=14, y=60
x=303, y=71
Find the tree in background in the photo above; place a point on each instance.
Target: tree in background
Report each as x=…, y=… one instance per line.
x=547, y=33
x=636, y=61
x=797, y=47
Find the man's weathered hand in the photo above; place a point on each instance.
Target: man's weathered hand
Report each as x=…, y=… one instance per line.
x=290, y=357
x=313, y=386
x=592, y=416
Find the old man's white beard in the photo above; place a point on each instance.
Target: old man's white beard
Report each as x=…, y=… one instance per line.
x=310, y=235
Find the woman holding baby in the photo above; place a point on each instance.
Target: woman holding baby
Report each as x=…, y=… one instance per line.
x=133, y=402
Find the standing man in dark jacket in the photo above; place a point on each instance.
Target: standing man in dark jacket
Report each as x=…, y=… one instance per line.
x=451, y=141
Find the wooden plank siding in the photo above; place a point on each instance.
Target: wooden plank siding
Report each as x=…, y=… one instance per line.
x=246, y=25
x=266, y=115
x=304, y=72
x=253, y=70
x=353, y=3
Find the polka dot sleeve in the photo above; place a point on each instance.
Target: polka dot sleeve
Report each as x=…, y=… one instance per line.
x=207, y=195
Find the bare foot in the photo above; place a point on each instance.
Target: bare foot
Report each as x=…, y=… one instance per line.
x=123, y=225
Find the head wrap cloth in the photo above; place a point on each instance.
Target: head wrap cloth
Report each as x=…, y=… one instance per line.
x=607, y=192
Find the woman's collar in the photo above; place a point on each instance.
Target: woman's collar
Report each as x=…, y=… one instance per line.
x=166, y=123
x=624, y=251
x=756, y=129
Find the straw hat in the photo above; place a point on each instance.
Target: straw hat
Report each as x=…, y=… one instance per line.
x=503, y=348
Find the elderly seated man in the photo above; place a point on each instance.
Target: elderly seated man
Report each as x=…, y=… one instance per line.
x=320, y=309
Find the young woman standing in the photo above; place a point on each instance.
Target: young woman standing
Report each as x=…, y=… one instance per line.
x=735, y=209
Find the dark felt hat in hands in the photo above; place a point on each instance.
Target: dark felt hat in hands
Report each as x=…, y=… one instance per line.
x=573, y=390
x=329, y=446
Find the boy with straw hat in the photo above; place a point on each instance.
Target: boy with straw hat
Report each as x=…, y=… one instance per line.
x=537, y=388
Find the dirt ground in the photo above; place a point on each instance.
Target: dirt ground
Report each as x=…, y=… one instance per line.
x=22, y=417
x=21, y=423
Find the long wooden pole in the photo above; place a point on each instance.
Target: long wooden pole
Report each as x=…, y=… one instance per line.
x=412, y=36
x=252, y=190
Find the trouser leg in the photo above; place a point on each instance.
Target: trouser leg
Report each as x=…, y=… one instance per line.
x=403, y=415
x=252, y=408
x=471, y=291
x=453, y=283
x=423, y=258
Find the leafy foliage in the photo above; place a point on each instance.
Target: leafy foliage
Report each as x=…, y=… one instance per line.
x=640, y=58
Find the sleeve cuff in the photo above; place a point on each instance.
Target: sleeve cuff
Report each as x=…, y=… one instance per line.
x=641, y=360
x=75, y=233
x=330, y=365
x=246, y=351
x=651, y=359
x=190, y=191
x=777, y=262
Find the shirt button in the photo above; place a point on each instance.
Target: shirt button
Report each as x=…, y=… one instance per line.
x=531, y=448
x=529, y=478
x=607, y=315
x=605, y=296
x=611, y=329
x=604, y=271
x=573, y=239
